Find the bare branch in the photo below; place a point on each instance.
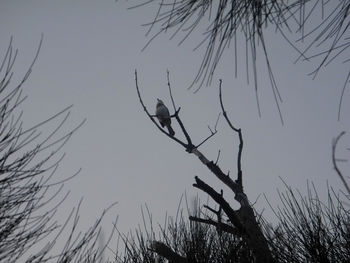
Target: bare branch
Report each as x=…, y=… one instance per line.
x=219, y=225
x=217, y=158
x=231, y=214
x=211, y=209
x=239, y=132
x=334, y=146
x=170, y=93
x=165, y=251
x=206, y=139
x=212, y=133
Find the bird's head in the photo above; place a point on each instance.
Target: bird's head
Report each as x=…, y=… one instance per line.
x=159, y=102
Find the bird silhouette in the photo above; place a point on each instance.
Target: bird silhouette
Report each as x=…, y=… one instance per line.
x=163, y=116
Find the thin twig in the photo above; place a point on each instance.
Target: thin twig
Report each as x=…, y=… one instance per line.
x=171, y=95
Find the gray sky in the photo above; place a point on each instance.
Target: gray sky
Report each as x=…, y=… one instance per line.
x=89, y=54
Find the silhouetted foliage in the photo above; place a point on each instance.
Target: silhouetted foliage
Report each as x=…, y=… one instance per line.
x=309, y=230
x=29, y=195
x=194, y=241
x=317, y=30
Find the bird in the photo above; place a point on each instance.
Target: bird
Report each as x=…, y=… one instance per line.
x=162, y=113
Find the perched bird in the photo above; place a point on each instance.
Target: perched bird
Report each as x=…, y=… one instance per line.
x=163, y=116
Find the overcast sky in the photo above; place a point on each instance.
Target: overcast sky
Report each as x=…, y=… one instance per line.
x=88, y=57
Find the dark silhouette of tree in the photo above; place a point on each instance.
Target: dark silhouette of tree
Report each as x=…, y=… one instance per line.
x=317, y=30
x=29, y=194
x=307, y=229
x=242, y=221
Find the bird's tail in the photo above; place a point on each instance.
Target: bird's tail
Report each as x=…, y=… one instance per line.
x=170, y=129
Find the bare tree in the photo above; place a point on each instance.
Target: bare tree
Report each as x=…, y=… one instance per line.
x=243, y=221
x=307, y=229
x=29, y=195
